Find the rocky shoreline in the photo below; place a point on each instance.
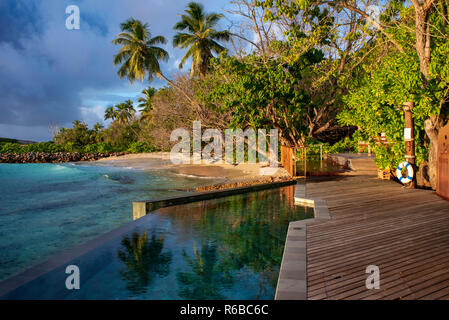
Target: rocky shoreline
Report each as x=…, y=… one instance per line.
x=244, y=183
x=42, y=157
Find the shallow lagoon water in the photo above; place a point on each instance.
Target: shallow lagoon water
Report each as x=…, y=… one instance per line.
x=227, y=248
x=46, y=208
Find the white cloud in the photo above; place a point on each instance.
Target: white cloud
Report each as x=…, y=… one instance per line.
x=93, y=114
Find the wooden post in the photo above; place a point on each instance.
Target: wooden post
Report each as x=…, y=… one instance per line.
x=305, y=163
x=139, y=209
x=409, y=134
x=294, y=161
x=443, y=163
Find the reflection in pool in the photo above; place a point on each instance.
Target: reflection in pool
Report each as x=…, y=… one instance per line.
x=142, y=259
x=228, y=248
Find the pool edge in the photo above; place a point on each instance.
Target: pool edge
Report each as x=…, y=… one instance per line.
x=292, y=280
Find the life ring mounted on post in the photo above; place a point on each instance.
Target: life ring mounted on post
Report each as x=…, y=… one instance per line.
x=410, y=172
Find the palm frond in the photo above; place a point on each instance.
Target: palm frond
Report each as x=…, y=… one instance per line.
x=138, y=55
x=198, y=35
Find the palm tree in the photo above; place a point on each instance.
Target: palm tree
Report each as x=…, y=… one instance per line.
x=140, y=55
x=76, y=123
x=200, y=36
x=98, y=126
x=125, y=111
x=146, y=103
x=110, y=113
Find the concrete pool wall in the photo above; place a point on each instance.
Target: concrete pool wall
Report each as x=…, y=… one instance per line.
x=292, y=281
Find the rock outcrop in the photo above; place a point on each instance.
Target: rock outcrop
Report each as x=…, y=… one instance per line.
x=42, y=157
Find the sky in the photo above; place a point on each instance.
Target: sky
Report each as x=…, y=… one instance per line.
x=50, y=76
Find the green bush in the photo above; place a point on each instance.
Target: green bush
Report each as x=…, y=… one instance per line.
x=346, y=145
x=102, y=147
x=69, y=147
x=11, y=148
x=50, y=147
x=138, y=147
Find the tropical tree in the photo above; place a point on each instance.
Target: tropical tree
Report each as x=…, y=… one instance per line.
x=417, y=28
x=139, y=54
x=76, y=123
x=98, y=126
x=199, y=35
x=97, y=131
x=110, y=113
x=259, y=95
x=125, y=112
x=146, y=103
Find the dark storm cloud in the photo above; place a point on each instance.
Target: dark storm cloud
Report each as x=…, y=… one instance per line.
x=49, y=74
x=18, y=19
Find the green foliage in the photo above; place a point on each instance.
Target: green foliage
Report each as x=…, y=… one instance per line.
x=102, y=147
x=11, y=148
x=118, y=137
x=139, y=54
x=198, y=33
x=261, y=94
x=146, y=103
x=345, y=145
x=138, y=147
x=348, y=144
x=375, y=105
x=79, y=135
x=69, y=147
x=48, y=147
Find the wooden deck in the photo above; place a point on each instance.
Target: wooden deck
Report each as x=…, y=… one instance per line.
x=404, y=232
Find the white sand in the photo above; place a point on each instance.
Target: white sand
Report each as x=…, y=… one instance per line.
x=161, y=161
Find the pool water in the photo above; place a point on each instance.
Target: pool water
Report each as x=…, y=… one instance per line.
x=228, y=248
x=316, y=166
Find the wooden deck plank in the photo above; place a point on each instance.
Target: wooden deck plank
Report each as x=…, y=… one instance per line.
x=388, y=243
x=385, y=260
x=403, y=231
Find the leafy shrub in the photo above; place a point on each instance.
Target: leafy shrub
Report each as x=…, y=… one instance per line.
x=11, y=148
x=346, y=145
x=48, y=147
x=138, y=147
x=102, y=147
x=69, y=147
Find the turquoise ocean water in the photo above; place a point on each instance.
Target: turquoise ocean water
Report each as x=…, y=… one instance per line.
x=48, y=208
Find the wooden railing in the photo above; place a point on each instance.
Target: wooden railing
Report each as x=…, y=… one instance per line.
x=443, y=163
x=288, y=159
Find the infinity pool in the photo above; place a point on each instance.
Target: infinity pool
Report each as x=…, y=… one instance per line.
x=228, y=248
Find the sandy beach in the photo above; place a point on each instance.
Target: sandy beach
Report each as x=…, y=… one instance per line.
x=231, y=175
